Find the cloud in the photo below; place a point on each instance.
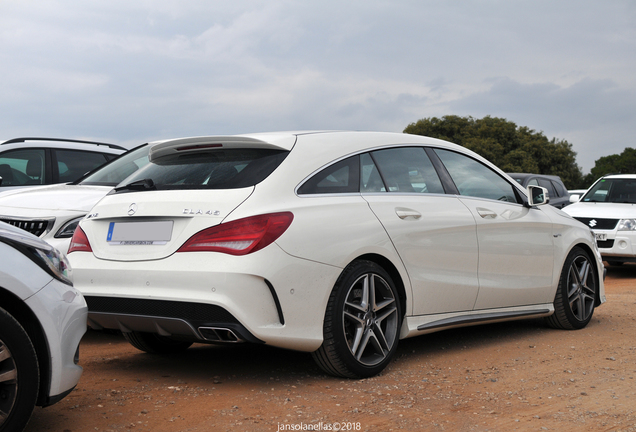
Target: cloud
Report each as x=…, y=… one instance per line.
x=587, y=113
x=134, y=71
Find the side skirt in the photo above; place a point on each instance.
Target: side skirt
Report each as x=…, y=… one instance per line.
x=423, y=324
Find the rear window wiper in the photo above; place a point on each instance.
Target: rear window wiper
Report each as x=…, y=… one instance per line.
x=138, y=185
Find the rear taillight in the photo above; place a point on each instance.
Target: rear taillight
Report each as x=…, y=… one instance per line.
x=79, y=242
x=240, y=237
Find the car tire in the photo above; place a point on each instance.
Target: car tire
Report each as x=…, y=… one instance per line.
x=362, y=323
x=155, y=344
x=19, y=374
x=575, y=297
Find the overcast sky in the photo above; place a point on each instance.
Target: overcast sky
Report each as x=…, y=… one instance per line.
x=132, y=71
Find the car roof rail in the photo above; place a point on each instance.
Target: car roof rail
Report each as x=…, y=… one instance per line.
x=25, y=139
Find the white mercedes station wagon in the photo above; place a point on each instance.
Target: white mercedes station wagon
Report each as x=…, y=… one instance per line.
x=334, y=243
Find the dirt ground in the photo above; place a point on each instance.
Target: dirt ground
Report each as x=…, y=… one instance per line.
x=512, y=376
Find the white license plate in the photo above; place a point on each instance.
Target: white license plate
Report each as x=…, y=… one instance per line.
x=600, y=236
x=139, y=233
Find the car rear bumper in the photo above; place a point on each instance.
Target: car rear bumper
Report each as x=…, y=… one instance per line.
x=268, y=296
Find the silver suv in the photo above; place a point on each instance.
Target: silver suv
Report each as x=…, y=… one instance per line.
x=42, y=161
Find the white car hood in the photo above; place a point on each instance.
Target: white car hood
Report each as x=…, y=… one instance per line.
x=601, y=210
x=55, y=197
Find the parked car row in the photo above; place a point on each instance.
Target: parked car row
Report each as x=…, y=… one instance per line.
x=334, y=243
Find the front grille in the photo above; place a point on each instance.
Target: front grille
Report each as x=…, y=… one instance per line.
x=597, y=223
x=37, y=227
x=191, y=312
x=605, y=244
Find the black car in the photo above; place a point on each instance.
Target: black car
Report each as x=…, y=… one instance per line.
x=557, y=192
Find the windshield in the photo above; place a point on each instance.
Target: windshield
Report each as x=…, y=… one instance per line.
x=217, y=169
x=612, y=190
x=117, y=170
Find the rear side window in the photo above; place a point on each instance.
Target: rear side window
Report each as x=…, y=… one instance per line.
x=407, y=170
x=216, y=169
x=72, y=164
x=549, y=186
x=341, y=177
x=394, y=170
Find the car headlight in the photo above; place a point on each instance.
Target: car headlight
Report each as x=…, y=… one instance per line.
x=41, y=253
x=627, y=225
x=55, y=263
x=68, y=228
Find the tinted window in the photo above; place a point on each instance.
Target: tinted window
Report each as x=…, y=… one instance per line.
x=475, y=179
x=407, y=169
x=549, y=186
x=560, y=188
x=612, y=190
x=341, y=177
x=370, y=179
x=22, y=167
x=116, y=171
x=216, y=169
x=72, y=164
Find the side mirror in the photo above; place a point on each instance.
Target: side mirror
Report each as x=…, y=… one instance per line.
x=575, y=198
x=537, y=195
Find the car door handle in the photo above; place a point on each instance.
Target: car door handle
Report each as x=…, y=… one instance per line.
x=485, y=213
x=406, y=213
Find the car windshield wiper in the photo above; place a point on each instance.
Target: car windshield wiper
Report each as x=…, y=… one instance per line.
x=138, y=185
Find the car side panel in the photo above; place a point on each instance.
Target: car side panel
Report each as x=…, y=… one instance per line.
x=516, y=253
x=436, y=239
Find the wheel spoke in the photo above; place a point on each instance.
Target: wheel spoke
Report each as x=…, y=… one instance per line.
x=363, y=345
x=9, y=376
x=358, y=325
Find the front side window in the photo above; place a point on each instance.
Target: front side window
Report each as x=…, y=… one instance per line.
x=472, y=178
x=214, y=169
x=22, y=167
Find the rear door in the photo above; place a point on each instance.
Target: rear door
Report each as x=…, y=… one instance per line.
x=433, y=232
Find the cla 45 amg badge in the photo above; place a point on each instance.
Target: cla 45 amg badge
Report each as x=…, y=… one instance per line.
x=201, y=212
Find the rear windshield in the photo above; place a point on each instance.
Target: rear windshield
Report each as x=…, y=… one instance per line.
x=217, y=169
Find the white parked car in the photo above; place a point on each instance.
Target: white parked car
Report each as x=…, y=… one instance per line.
x=53, y=212
x=42, y=320
x=609, y=209
x=335, y=243
x=28, y=162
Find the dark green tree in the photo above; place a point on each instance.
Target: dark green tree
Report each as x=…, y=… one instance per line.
x=624, y=163
x=512, y=148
